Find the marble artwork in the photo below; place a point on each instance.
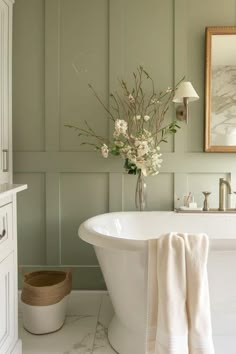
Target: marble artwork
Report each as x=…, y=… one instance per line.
x=223, y=105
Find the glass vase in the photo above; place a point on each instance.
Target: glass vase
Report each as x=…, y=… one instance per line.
x=140, y=192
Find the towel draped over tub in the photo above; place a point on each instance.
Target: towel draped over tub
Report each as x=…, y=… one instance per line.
x=179, y=320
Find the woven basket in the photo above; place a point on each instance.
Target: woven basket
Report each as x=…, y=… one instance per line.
x=46, y=287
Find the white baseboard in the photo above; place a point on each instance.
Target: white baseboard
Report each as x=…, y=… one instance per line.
x=81, y=302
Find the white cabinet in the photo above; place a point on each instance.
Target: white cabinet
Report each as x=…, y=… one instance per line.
x=7, y=312
x=9, y=341
x=5, y=91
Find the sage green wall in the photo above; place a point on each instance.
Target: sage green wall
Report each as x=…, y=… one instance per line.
x=61, y=45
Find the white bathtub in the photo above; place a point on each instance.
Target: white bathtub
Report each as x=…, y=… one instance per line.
x=120, y=242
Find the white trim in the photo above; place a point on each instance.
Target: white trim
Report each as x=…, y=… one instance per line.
x=7, y=189
x=17, y=349
x=9, y=2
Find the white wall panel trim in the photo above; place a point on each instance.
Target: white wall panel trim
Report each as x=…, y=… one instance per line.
x=28, y=162
x=53, y=230
x=180, y=60
x=115, y=192
x=52, y=74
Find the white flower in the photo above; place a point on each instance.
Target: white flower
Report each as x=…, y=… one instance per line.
x=169, y=89
x=130, y=154
x=155, y=101
x=131, y=98
x=137, y=117
x=116, y=134
x=147, y=135
x=133, y=159
x=154, y=163
x=119, y=143
x=125, y=150
x=143, y=148
x=104, y=150
x=150, y=163
x=146, y=118
x=121, y=127
x=141, y=164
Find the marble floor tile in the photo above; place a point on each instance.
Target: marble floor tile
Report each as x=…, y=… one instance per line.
x=87, y=334
x=101, y=343
x=75, y=337
x=84, y=335
x=225, y=344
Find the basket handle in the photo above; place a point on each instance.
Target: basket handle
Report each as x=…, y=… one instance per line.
x=69, y=273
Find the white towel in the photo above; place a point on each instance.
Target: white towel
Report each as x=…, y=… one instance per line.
x=179, y=319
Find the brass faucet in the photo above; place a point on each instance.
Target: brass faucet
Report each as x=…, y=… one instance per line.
x=222, y=193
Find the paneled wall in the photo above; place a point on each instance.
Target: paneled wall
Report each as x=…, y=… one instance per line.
x=59, y=47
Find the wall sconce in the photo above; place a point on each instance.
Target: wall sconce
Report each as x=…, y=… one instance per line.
x=185, y=93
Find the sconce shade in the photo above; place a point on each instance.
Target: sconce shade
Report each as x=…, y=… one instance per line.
x=185, y=90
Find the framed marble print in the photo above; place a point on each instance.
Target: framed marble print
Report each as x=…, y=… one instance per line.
x=220, y=89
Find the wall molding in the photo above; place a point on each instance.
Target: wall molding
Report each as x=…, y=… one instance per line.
x=64, y=162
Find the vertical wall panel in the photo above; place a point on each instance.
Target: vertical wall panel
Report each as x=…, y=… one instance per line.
x=180, y=63
x=149, y=42
x=28, y=75
x=52, y=77
x=53, y=231
x=83, y=60
x=82, y=195
x=31, y=217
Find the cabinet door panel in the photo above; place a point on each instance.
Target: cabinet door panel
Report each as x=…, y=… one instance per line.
x=6, y=231
x=7, y=308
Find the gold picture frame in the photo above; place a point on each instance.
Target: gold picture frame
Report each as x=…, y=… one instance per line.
x=220, y=89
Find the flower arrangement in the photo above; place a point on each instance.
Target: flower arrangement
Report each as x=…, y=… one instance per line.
x=139, y=127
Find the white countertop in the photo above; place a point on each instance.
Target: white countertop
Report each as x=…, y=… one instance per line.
x=8, y=189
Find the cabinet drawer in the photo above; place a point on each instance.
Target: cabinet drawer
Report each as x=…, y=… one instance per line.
x=6, y=231
x=7, y=304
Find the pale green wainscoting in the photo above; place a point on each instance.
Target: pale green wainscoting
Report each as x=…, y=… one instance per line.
x=59, y=47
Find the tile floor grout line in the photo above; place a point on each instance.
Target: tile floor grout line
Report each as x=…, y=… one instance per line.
x=98, y=314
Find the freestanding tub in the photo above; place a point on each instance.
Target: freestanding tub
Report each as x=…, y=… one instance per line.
x=120, y=242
